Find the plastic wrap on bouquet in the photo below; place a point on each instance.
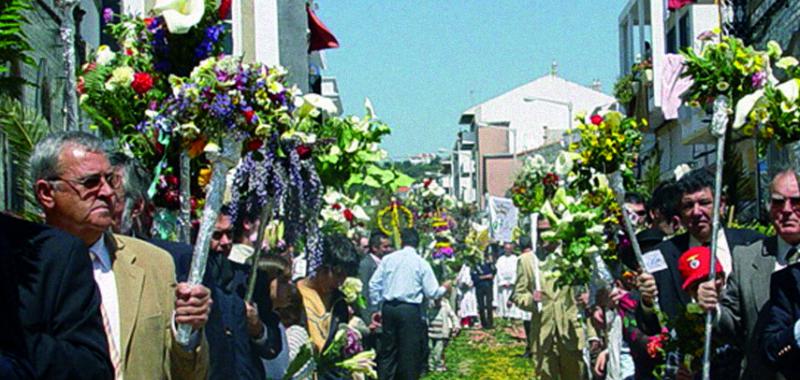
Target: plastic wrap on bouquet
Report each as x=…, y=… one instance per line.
x=718, y=127
x=604, y=279
x=67, y=34
x=185, y=218
x=221, y=161
x=618, y=186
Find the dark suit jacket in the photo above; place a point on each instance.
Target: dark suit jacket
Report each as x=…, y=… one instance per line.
x=233, y=355
x=745, y=295
x=671, y=298
x=366, y=268
x=54, y=303
x=781, y=313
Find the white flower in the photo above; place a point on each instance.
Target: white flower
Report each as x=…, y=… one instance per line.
x=789, y=89
x=188, y=130
x=359, y=213
x=564, y=162
x=786, y=62
x=104, y=55
x=332, y=197
x=352, y=147
x=369, y=108
x=320, y=102
x=744, y=106
x=180, y=15
x=351, y=288
x=596, y=229
x=681, y=170
x=121, y=76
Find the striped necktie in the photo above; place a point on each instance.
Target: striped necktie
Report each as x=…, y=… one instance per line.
x=112, y=348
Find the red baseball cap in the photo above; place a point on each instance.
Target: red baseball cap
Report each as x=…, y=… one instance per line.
x=694, y=265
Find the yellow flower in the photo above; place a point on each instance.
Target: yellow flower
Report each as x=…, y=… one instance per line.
x=204, y=177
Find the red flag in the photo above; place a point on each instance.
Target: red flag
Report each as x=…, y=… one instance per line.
x=674, y=5
x=321, y=37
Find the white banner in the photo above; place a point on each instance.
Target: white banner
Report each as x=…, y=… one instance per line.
x=502, y=218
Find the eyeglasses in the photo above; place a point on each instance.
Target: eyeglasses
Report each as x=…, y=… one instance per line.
x=217, y=235
x=779, y=201
x=93, y=182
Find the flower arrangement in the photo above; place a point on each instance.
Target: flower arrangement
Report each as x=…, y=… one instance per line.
x=579, y=225
x=682, y=336
x=724, y=66
x=393, y=218
x=428, y=197
x=343, y=358
x=534, y=184
x=606, y=143
x=341, y=213
x=354, y=147
x=771, y=111
x=351, y=289
x=442, y=237
x=119, y=89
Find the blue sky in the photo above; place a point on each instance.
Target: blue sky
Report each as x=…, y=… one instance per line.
x=423, y=62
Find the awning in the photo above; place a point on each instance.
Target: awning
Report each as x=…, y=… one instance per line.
x=321, y=37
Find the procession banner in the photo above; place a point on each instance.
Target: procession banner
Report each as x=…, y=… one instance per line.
x=502, y=218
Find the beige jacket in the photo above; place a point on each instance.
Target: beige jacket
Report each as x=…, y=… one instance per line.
x=145, y=276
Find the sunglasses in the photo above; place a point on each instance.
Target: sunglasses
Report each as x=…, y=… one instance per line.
x=217, y=235
x=93, y=182
x=779, y=201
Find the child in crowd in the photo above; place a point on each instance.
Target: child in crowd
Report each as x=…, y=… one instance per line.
x=443, y=324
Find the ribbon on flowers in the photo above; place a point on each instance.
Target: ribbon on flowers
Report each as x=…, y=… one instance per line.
x=222, y=160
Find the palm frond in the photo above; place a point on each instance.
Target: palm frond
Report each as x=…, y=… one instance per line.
x=23, y=128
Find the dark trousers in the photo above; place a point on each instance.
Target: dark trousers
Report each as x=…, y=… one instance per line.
x=485, y=308
x=527, y=326
x=401, y=342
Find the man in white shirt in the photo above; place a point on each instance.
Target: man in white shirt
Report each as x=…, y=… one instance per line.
x=141, y=303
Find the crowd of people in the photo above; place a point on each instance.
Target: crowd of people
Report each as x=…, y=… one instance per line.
x=98, y=297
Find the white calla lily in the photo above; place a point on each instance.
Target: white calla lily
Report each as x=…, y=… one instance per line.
x=790, y=89
x=359, y=213
x=332, y=197
x=180, y=15
x=565, y=162
x=744, y=106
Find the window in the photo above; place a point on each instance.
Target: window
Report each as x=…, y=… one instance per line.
x=672, y=46
x=685, y=31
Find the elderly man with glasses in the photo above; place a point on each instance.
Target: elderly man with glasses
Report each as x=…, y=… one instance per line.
x=748, y=287
x=75, y=185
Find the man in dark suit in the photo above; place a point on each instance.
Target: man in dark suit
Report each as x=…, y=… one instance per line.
x=748, y=286
x=378, y=246
x=52, y=327
x=662, y=279
x=780, y=341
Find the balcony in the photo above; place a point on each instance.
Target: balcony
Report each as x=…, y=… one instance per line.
x=649, y=31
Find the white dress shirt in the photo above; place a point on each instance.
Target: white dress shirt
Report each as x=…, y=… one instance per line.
x=723, y=251
x=107, y=283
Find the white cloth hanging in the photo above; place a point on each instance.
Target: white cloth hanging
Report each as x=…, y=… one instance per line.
x=468, y=302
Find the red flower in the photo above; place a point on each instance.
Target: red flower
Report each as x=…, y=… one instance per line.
x=172, y=180
x=348, y=215
x=550, y=179
x=142, y=82
x=224, y=9
x=248, y=115
x=81, y=86
x=89, y=67
x=253, y=145
x=336, y=206
x=148, y=21
x=427, y=182
x=597, y=119
x=193, y=202
x=304, y=151
x=128, y=51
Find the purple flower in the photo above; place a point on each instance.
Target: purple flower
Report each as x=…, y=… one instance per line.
x=353, y=345
x=212, y=36
x=759, y=79
x=108, y=15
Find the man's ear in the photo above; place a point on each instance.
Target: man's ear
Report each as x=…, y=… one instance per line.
x=44, y=192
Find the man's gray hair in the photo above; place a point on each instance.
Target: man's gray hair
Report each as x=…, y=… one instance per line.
x=44, y=162
x=781, y=171
x=135, y=178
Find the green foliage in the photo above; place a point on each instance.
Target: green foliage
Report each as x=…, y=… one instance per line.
x=652, y=173
x=491, y=355
x=23, y=128
x=623, y=89
x=14, y=46
x=419, y=171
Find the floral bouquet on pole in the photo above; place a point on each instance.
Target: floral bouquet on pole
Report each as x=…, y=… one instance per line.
x=224, y=106
x=534, y=184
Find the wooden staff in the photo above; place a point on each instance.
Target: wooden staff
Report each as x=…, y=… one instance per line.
x=264, y=220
